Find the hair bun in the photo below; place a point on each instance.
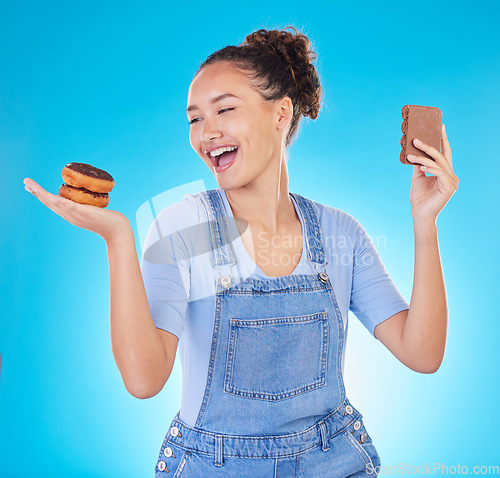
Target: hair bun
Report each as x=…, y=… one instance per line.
x=295, y=49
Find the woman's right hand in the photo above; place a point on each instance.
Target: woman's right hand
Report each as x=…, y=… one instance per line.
x=107, y=223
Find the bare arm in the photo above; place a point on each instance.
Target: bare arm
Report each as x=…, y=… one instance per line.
x=417, y=336
x=144, y=354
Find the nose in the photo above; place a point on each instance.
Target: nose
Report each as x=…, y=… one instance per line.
x=210, y=130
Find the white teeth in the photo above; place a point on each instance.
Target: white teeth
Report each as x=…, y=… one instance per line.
x=219, y=151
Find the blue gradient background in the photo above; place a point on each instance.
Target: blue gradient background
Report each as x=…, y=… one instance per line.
x=105, y=83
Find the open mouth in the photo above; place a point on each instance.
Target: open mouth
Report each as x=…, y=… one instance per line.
x=223, y=156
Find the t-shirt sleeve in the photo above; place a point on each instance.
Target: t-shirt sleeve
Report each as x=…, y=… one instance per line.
x=374, y=296
x=166, y=264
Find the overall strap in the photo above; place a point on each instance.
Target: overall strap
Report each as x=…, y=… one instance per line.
x=222, y=228
x=315, y=247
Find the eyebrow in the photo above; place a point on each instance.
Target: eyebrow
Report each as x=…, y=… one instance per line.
x=214, y=100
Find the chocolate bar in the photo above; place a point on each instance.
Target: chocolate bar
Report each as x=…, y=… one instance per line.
x=424, y=123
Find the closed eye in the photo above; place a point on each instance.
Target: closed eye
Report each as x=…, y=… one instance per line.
x=223, y=110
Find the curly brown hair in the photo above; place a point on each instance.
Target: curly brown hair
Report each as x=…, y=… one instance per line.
x=279, y=62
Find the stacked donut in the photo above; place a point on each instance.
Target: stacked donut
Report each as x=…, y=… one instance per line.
x=86, y=185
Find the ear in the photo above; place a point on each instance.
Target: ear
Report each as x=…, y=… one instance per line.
x=284, y=113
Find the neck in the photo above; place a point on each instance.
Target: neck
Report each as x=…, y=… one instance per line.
x=265, y=203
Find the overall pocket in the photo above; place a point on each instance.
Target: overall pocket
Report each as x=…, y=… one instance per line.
x=277, y=358
x=357, y=436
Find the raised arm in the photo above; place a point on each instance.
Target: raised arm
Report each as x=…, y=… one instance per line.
x=144, y=354
x=417, y=337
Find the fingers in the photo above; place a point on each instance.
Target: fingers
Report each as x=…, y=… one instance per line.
x=29, y=185
x=421, y=160
x=431, y=167
x=430, y=150
x=417, y=172
x=41, y=194
x=439, y=158
x=425, y=165
x=443, y=161
x=446, y=183
x=81, y=215
x=61, y=206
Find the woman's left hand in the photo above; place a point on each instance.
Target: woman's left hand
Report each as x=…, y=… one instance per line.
x=429, y=194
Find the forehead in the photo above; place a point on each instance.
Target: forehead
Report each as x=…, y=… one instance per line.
x=218, y=77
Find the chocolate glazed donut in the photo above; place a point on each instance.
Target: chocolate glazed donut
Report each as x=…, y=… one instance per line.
x=81, y=175
x=86, y=184
x=84, y=196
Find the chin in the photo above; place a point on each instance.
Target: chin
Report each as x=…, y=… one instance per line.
x=227, y=181
x=227, y=185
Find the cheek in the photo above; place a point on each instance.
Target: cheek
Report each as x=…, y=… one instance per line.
x=263, y=127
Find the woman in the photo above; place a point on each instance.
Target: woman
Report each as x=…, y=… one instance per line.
x=246, y=277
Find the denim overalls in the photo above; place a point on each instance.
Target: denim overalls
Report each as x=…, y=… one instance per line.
x=274, y=403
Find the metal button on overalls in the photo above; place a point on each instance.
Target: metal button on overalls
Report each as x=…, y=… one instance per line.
x=168, y=452
x=225, y=281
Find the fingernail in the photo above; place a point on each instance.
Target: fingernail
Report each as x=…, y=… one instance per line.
x=411, y=156
x=417, y=142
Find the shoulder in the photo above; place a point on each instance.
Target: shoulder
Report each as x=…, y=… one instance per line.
x=187, y=211
x=336, y=221
x=181, y=220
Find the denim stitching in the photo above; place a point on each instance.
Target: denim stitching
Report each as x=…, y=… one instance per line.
x=232, y=255
x=213, y=226
x=361, y=451
x=316, y=444
x=354, y=416
x=262, y=395
x=219, y=450
x=309, y=235
x=314, y=231
x=324, y=439
x=215, y=339
x=285, y=290
x=340, y=351
x=276, y=320
x=305, y=222
x=181, y=466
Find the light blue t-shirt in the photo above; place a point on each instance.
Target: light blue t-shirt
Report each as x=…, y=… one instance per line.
x=178, y=276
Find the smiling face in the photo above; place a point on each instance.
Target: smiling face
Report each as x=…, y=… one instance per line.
x=235, y=131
